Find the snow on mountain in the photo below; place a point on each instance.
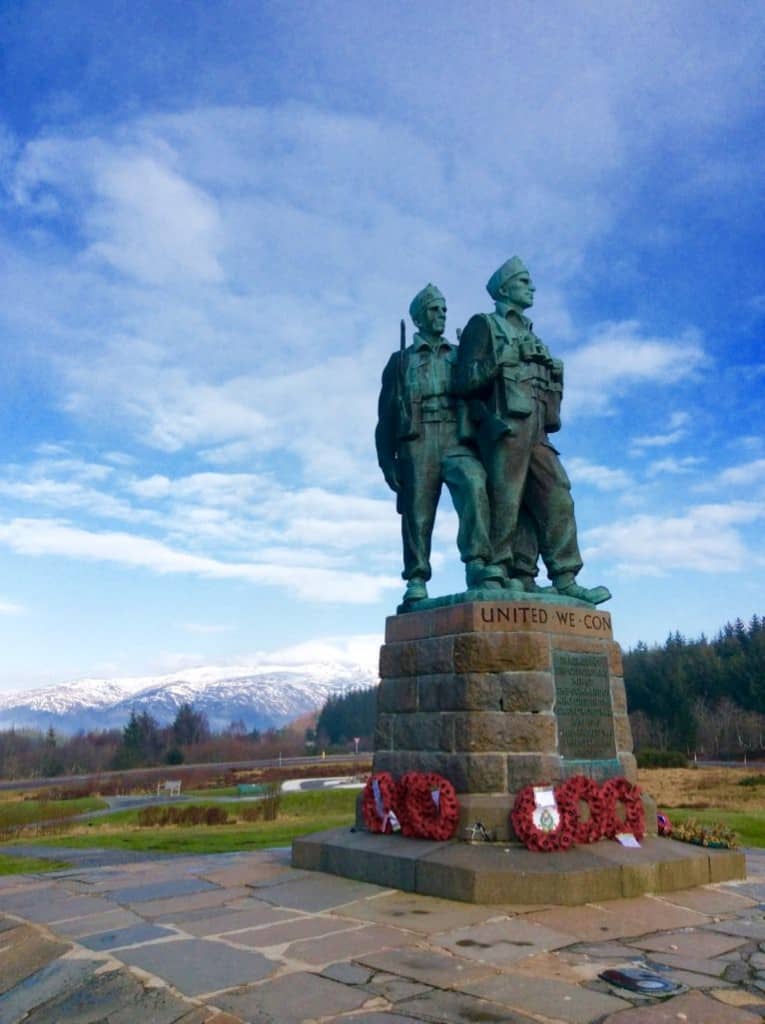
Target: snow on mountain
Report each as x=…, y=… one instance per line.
x=261, y=696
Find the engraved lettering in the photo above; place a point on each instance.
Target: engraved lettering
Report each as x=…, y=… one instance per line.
x=583, y=705
x=487, y=614
x=565, y=618
x=503, y=614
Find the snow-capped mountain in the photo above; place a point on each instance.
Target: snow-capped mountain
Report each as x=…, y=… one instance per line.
x=261, y=696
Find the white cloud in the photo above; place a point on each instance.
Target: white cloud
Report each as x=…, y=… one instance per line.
x=11, y=607
x=705, y=539
x=48, y=537
x=675, y=466
x=744, y=475
x=676, y=432
x=619, y=357
x=601, y=477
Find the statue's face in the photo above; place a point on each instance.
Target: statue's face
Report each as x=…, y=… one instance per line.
x=434, y=317
x=520, y=290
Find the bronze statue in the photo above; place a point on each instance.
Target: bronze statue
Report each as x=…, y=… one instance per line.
x=513, y=387
x=423, y=441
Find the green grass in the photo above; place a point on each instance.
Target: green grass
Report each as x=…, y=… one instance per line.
x=10, y=865
x=299, y=814
x=27, y=812
x=750, y=828
x=218, y=839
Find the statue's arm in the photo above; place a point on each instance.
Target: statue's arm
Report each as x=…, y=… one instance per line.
x=386, y=431
x=476, y=362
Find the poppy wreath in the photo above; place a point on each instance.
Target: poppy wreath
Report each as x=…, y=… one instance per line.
x=548, y=835
x=619, y=794
x=379, y=803
x=429, y=806
x=581, y=790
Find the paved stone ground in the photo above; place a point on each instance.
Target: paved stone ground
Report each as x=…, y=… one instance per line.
x=246, y=938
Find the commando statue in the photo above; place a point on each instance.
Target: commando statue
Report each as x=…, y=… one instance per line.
x=423, y=441
x=513, y=388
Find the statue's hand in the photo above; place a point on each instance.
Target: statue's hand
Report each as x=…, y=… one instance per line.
x=391, y=478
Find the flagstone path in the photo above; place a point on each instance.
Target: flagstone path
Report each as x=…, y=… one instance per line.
x=232, y=938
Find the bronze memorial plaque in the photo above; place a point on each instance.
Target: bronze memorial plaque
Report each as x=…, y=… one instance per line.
x=583, y=706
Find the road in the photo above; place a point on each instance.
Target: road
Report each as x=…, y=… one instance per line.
x=179, y=770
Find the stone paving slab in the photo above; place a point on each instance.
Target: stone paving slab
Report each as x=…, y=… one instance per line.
x=547, y=998
x=428, y=966
x=501, y=942
x=292, y=999
x=712, y=968
x=209, y=900
x=50, y=904
x=693, y=1008
x=242, y=927
x=164, y=890
x=750, y=928
x=290, y=931
x=56, y=979
x=195, y=966
x=459, y=1008
x=112, y=998
x=394, y=989
x=618, y=918
x=201, y=923
x=135, y=935
x=23, y=951
x=426, y=914
x=340, y=945
x=691, y=942
x=380, y=1018
x=90, y=924
x=317, y=892
x=710, y=900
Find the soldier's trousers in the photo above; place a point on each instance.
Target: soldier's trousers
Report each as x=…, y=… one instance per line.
x=435, y=458
x=525, y=479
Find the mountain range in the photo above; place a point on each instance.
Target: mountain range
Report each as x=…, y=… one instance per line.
x=260, y=696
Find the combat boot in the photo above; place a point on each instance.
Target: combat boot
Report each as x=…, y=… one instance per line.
x=480, y=576
x=568, y=587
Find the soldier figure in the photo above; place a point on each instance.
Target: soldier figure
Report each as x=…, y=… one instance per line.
x=422, y=443
x=514, y=387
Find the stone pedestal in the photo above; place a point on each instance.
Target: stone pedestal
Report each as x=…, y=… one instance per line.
x=494, y=695
x=497, y=694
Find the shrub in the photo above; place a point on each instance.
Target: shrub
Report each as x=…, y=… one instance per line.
x=651, y=758
x=192, y=814
x=752, y=780
x=253, y=812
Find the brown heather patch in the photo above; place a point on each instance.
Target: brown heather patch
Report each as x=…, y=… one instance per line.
x=704, y=787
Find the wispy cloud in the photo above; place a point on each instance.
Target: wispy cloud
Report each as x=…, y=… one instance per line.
x=705, y=539
x=603, y=478
x=48, y=537
x=618, y=357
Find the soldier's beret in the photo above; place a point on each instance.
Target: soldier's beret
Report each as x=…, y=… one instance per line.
x=509, y=268
x=422, y=300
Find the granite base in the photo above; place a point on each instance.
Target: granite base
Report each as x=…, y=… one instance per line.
x=511, y=874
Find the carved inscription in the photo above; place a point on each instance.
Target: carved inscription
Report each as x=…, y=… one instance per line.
x=560, y=619
x=583, y=705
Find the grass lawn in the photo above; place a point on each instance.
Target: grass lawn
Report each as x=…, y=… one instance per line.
x=299, y=814
x=10, y=865
x=27, y=812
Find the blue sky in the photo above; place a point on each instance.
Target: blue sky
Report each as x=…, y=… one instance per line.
x=212, y=217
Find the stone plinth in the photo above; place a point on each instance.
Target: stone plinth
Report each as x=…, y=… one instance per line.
x=497, y=694
x=498, y=873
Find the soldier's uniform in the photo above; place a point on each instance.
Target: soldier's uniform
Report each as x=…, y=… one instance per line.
x=422, y=432
x=515, y=388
